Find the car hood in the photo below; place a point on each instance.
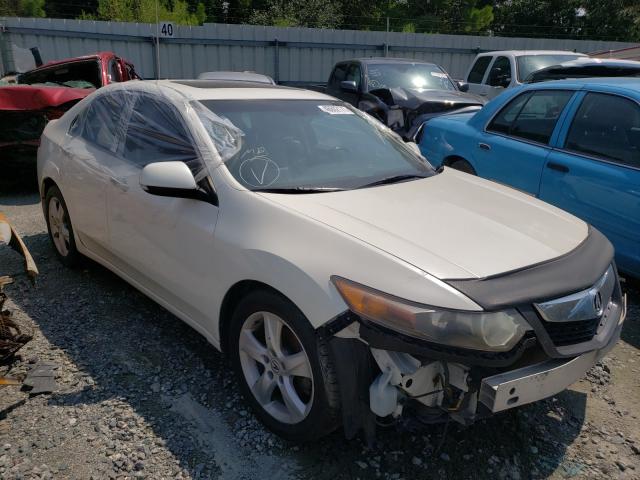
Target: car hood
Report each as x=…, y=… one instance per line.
x=38, y=97
x=451, y=225
x=415, y=98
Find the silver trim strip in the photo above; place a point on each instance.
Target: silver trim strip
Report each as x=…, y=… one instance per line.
x=588, y=304
x=534, y=382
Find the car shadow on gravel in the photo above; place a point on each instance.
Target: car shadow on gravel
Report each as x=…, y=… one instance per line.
x=631, y=328
x=127, y=353
x=19, y=171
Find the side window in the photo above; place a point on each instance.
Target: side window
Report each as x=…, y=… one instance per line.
x=76, y=124
x=354, y=73
x=114, y=71
x=607, y=126
x=502, y=122
x=104, y=126
x=338, y=75
x=155, y=133
x=500, y=73
x=539, y=116
x=477, y=72
x=536, y=117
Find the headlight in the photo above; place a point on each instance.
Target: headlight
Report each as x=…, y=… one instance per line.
x=487, y=331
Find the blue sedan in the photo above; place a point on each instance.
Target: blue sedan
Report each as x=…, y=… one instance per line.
x=572, y=143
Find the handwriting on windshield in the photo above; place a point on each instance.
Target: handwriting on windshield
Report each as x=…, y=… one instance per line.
x=257, y=169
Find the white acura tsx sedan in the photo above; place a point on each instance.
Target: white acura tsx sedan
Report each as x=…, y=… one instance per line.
x=347, y=280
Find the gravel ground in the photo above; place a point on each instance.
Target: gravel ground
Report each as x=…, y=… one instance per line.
x=141, y=395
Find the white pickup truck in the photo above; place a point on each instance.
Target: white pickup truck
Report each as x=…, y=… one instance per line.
x=492, y=72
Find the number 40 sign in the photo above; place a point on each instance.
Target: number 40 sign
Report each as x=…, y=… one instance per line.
x=166, y=29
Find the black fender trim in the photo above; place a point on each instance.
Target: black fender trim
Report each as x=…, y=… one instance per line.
x=570, y=273
x=356, y=370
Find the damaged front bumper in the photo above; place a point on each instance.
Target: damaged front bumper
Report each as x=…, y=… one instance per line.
x=545, y=379
x=381, y=373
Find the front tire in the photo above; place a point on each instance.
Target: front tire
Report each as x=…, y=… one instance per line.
x=60, y=228
x=283, y=368
x=463, y=166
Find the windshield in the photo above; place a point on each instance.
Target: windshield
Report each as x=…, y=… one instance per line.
x=407, y=75
x=307, y=144
x=527, y=64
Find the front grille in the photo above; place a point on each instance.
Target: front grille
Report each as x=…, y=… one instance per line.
x=570, y=333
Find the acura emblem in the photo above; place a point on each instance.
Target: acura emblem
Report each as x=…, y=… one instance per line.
x=597, y=303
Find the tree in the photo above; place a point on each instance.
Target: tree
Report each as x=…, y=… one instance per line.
x=595, y=19
x=22, y=8
x=300, y=13
x=144, y=11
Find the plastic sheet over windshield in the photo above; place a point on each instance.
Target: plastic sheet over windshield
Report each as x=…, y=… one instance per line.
x=145, y=122
x=307, y=144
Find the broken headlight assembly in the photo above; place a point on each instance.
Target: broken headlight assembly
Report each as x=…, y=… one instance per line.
x=487, y=331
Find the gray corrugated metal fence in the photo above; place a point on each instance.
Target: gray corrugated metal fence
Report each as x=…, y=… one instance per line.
x=287, y=54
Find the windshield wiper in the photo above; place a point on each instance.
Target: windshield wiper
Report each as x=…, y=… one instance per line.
x=299, y=190
x=392, y=179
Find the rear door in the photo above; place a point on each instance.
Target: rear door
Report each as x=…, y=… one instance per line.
x=515, y=143
x=89, y=149
x=595, y=174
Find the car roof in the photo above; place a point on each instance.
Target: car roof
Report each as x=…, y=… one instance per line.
x=236, y=76
x=629, y=83
x=221, y=90
x=586, y=61
x=387, y=60
x=518, y=53
x=92, y=56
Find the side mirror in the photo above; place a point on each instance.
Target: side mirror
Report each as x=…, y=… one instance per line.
x=348, y=86
x=169, y=179
x=463, y=86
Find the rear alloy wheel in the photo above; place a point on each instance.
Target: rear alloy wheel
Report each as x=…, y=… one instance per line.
x=59, y=226
x=276, y=356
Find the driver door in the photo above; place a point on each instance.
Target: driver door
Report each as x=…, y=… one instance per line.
x=164, y=243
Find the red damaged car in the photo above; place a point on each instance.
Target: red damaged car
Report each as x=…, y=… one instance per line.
x=46, y=92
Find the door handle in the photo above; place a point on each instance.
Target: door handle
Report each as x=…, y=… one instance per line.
x=484, y=146
x=558, y=167
x=121, y=184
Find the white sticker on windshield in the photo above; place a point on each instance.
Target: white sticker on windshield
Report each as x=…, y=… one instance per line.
x=335, y=109
x=438, y=74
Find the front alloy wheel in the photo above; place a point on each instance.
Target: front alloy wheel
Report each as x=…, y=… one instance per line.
x=276, y=367
x=283, y=367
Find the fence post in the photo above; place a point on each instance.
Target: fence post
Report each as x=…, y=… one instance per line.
x=386, y=40
x=155, y=43
x=5, y=53
x=276, y=61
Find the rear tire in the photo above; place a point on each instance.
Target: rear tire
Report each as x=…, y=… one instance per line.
x=463, y=166
x=59, y=226
x=283, y=368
